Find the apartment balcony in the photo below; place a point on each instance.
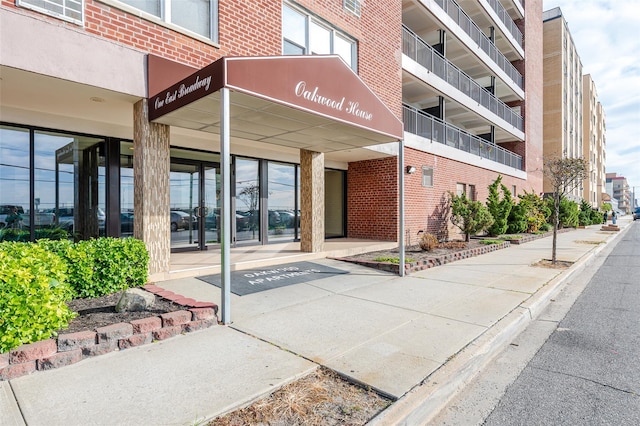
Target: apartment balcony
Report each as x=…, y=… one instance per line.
x=422, y=53
x=429, y=127
x=455, y=12
x=505, y=18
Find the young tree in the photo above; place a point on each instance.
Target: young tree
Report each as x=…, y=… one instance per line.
x=564, y=175
x=470, y=216
x=499, y=208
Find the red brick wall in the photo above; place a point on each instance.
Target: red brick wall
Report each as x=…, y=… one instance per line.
x=378, y=33
x=372, y=200
x=425, y=207
x=254, y=28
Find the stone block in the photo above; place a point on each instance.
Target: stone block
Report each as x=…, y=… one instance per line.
x=167, y=332
x=16, y=370
x=199, y=325
x=59, y=359
x=135, y=340
x=146, y=325
x=79, y=340
x=33, y=351
x=100, y=348
x=115, y=332
x=4, y=360
x=202, y=313
x=175, y=318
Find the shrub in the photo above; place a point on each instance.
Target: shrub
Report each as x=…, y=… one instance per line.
x=499, y=208
x=428, y=242
x=536, y=210
x=517, y=221
x=104, y=265
x=569, y=212
x=23, y=235
x=33, y=292
x=470, y=216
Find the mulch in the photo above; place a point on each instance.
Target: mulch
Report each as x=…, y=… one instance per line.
x=101, y=311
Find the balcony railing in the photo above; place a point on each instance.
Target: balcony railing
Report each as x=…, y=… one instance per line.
x=415, y=48
x=506, y=20
x=468, y=26
x=430, y=127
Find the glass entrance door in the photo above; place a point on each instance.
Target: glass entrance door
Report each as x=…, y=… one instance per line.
x=193, y=199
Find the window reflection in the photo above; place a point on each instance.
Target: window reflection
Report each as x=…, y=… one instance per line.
x=247, y=193
x=282, y=209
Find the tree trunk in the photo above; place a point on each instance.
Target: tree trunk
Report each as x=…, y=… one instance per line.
x=556, y=222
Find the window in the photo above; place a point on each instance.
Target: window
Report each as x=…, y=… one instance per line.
x=197, y=16
x=353, y=6
x=69, y=10
x=461, y=188
x=472, y=192
x=427, y=176
x=303, y=34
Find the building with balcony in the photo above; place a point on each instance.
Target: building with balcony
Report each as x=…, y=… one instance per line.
x=563, y=96
x=472, y=101
x=618, y=188
x=263, y=122
x=594, y=143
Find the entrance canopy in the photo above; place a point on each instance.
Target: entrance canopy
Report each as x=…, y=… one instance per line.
x=309, y=102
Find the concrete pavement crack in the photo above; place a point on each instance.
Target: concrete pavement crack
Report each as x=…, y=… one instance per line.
x=587, y=380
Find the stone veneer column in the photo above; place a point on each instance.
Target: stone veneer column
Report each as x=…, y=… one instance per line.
x=151, y=187
x=311, y=201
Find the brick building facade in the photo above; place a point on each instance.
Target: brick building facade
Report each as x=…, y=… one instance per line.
x=75, y=105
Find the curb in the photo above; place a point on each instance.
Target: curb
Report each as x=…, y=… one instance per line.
x=421, y=404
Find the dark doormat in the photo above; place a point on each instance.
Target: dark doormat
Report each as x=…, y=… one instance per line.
x=254, y=280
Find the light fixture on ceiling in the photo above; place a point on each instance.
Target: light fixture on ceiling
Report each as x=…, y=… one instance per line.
x=411, y=169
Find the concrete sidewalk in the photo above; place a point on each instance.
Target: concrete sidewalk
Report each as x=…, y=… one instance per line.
x=381, y=330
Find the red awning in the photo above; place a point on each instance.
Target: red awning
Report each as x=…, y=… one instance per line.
x=310, y=102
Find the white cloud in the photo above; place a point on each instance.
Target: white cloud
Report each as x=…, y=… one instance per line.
x=607, y=37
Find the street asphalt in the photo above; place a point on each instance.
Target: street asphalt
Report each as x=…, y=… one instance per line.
x=390, y=333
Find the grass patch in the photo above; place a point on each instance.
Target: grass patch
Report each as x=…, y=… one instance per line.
x=395, y=260
x=489, y=242
x=511, y=237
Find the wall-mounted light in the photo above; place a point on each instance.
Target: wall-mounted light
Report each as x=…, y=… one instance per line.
x=411, y=169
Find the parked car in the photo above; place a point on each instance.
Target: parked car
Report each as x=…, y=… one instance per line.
x=66, y=218
x=182, y=220
x=126, y=223
x=636, y=213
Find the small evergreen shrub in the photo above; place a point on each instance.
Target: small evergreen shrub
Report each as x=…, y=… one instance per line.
x=33, y=292
x=428, y=242
x=517, y=221
x=469, y=216
x=499, y=208
x=569, y=213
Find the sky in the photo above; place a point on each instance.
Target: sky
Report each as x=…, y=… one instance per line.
x=606, y=34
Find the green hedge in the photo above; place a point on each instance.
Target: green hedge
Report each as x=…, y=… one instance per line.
x=102, y=266
x=33, y=292
x=23, y=235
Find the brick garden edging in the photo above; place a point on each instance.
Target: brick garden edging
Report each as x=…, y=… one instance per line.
x=447, y=258
x=70, y=348
x=428, y=263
